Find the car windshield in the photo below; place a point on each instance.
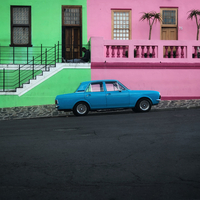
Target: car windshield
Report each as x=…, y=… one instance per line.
x=122, y=87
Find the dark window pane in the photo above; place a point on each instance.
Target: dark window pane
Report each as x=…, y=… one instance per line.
x=20, y=35
x=169, y=17
x=21, y=15
x=72, y=16
x=20, y=25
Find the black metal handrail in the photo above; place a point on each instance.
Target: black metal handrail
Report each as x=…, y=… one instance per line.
x=14, y=76
x=21, y=55
x=21, y=64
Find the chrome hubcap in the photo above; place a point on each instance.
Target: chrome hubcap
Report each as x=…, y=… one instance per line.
x=144, y=105
x=81, y=109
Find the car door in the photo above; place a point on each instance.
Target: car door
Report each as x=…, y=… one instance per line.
x=96, y=95
x=116, y=95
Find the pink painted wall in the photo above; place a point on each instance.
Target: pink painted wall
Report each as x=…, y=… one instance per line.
x=171, y=83
x=175, y=78
x=99, y=17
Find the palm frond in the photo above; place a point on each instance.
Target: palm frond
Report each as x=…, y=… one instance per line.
x=193, y=13
x=157, y=16
x=146, y=16
x=151, y=17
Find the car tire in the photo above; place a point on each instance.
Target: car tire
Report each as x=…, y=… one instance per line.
x=143, y=105
x=81, y=109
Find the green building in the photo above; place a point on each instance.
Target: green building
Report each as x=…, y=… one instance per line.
x=35, y=36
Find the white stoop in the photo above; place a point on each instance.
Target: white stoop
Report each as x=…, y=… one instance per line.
x=46, y=75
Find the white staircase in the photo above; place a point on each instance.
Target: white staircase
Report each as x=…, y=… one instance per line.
x=46, y=75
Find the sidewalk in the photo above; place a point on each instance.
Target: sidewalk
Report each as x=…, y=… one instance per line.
x=50, y=110
x=174, y=104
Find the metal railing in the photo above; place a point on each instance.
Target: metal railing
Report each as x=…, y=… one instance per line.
x=25, y=65
x=71, y=53
x=18, y=65
x=21, y=55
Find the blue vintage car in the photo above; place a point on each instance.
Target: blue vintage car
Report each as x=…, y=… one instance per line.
x=106, y=94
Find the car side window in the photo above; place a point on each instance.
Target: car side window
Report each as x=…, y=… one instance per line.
x=95, y=87
x=112, y=86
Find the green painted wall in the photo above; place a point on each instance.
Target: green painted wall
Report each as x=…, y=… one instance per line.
x=46, y=26
x=46, y=19
x=65, y=81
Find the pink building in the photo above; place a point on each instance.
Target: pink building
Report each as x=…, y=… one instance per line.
x=120, y=48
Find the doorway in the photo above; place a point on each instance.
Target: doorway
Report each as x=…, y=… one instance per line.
x=169, y=33
x=169, y=26
x=71, y=32
x=71, y=43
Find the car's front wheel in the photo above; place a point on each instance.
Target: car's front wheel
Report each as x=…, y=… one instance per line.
x=143, y=105
x=81, y=109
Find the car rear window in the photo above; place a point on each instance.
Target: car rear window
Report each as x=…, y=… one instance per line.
x=95, y=87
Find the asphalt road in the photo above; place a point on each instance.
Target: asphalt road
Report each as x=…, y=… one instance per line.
x=117, y=156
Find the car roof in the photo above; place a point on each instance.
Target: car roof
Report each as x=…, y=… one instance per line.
x=84, y=84
x=92, y=81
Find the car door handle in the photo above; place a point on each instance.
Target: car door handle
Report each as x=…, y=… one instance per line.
x=88, y=95
x=108, y=94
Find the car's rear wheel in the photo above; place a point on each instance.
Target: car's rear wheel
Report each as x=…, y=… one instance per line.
x=143, y=105
x=81, y=109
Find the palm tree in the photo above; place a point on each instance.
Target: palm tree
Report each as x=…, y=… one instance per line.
x=151, y=17
x=195, y=14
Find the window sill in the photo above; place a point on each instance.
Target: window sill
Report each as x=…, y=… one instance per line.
x=14, y=45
